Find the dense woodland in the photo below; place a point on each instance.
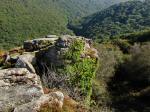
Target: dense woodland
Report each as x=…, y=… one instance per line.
x=26, y=19
x=116, y=20
x=122, y=80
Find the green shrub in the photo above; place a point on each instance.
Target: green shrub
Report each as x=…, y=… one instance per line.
x=137, y=67
x=75, y=50
x=124, y=45
x=109, y=58
x=81, y=71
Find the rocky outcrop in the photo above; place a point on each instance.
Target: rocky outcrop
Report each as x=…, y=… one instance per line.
x=20, y=86
x=21, y=91
x=55, y=53
x=67, y=64
x=50, y=101
x=36, y=44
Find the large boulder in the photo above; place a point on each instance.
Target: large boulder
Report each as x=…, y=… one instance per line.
x=52, y=101
x=55, y=54
x=18, y=86
x=69, y=65
x=21, y=91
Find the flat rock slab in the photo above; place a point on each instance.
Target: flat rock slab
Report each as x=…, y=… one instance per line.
x=11, y=97
x=17, y=87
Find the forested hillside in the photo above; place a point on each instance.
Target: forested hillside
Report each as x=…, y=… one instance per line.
x=23, y=19
x=81, y=8
x=119, y=19
x=121, y=83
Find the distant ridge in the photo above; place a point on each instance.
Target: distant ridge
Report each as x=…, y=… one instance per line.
x=116, y=20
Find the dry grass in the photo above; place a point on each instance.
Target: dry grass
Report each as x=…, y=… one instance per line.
x=69, y=105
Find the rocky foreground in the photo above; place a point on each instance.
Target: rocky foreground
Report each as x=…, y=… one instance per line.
x=22, y=87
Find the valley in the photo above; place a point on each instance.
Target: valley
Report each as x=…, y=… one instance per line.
x=24, y=19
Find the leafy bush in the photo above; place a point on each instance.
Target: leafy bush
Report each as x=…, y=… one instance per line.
x=76, y=73
x=124, y=45
x=137, y=68
x=109, y=58
x=141, y=36
x=81, y=71
x=75, y=50
x=129, y=87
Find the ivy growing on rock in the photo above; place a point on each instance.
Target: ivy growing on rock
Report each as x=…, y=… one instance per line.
x=69, y=68
x=81, y=70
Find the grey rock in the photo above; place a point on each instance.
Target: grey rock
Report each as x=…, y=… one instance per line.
x=50, y=99
x=26, y=61
x=54, y=54
x=36, y=44
x=18, y=86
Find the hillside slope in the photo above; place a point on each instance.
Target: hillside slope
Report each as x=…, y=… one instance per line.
x=118, y=19
x=82, y=8
x=23, y=19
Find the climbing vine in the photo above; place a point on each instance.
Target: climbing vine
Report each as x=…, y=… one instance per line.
x=81, y=70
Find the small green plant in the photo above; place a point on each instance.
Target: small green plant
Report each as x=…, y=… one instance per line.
x=81, y=70
x=75, y=50
x=76, y=73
